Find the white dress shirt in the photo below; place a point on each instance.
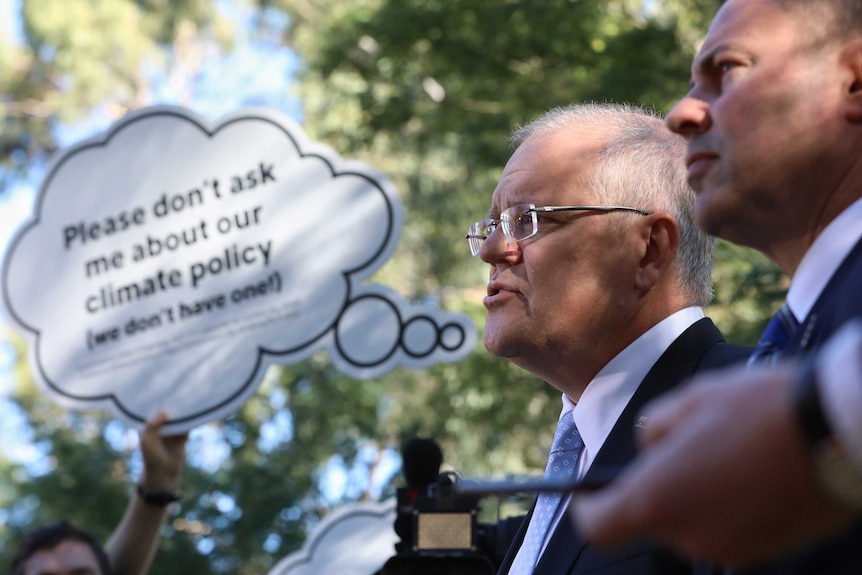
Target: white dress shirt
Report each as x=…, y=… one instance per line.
x=607, y=395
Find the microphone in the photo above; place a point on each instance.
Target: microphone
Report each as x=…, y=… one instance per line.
x=421, y=459
x=596, y=478
x=438, y=529
x=420, y=465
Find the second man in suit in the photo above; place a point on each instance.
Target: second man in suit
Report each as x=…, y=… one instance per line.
x=774, y=128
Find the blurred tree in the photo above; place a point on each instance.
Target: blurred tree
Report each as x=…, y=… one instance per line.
x=82, y=57
x=426, y=91
x=430, y=90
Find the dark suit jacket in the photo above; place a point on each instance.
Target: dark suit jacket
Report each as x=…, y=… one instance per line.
x=840, y=301
x=700, y=347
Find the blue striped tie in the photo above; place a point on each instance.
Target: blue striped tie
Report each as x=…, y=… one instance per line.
x=778, y=332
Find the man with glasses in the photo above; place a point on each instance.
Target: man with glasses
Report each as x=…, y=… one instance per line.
x=597, y=278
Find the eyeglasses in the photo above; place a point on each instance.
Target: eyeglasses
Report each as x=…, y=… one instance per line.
x=520, y=222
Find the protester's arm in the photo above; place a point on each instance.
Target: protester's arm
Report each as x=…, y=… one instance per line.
x=725, y=474
x=133, y=544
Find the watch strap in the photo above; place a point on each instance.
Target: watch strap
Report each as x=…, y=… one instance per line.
x=809, y=409
x=835, y=472
x=156, y=498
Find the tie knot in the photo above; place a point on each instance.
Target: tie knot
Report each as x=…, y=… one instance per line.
x=776, y=336
x=781, y=328
x=566, y=439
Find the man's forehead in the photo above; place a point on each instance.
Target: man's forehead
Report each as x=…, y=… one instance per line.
x=547, y=168
x=742, y=24
x=736, y=17
x=560, y=148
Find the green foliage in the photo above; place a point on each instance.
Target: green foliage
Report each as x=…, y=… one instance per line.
x=432, y=91
x=90, y=57
x=68, y=490
x=749, y=288
x=426, y=91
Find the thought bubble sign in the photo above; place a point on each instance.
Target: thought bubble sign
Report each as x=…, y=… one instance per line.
x=356, y=539
x=170, y=261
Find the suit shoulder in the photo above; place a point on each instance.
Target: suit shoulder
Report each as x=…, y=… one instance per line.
x=723, y=354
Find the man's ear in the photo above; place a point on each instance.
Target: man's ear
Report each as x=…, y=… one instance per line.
x=661, y=241
x=851, y=58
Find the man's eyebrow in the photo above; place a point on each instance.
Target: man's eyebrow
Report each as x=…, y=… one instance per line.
x=705, y=60
x=702, y=64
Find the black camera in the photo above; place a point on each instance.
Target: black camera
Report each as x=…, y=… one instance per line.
x=439, y=529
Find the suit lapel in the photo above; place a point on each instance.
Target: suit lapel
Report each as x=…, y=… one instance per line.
x=515, y=544
x=825, y=316
x=678, y=362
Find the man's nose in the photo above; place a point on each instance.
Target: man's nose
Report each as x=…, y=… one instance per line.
x=689, y=116
x=497, y=248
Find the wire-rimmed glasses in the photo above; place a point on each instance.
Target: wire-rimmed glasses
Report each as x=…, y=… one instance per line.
x=521, y=222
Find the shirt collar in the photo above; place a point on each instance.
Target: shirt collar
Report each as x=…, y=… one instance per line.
x=607, y=395
x=823, y=258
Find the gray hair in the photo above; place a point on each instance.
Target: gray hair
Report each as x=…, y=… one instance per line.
x=641, y=165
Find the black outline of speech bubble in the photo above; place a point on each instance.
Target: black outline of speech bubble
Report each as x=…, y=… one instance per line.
x=399, y=342
x=308, y=552
x=103, y=140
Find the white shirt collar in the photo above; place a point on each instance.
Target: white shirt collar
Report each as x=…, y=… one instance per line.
x=823, y=258
x=607, y=395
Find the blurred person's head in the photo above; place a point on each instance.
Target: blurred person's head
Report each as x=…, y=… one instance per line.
x=60, y=549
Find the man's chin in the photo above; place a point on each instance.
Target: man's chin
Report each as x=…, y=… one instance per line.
x=710, y=213
x=497, y=343
x=726, y=224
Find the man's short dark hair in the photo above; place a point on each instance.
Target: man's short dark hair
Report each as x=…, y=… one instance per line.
x=51, y=535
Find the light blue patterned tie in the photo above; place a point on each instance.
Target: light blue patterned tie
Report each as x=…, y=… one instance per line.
x=562, y=466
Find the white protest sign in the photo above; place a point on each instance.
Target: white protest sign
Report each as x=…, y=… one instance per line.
x=356, y=539
x=170, y=261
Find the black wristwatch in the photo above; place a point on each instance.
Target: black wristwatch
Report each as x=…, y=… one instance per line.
x=156, y=498
x=809, y=409
x=839, y=476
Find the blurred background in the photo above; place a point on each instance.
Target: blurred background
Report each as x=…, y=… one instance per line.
x=425, y=91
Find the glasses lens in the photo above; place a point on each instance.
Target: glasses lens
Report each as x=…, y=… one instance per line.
x=519, y=222
x=478, y=233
